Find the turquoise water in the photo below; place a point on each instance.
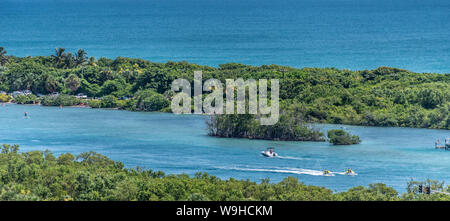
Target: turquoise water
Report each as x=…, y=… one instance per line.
x=179, y=144
x=352, y=34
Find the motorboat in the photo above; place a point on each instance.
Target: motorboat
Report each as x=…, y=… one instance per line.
x=269, y=153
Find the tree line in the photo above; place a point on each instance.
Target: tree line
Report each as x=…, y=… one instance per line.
x=41, y=175
x=381, y=97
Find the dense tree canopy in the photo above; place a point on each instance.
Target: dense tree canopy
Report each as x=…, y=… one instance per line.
x=341, y=137
x=290, y=126
x=40, y=175
x=3, y=57
x=380, y=97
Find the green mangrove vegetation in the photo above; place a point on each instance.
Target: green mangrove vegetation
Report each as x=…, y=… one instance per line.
x=40, y=175
x=4, y=98
x=64, y=100
x=290, y=127
x=25, y=99
x=341, y=137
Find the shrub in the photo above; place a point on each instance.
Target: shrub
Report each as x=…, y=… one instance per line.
x=94, y=103
x=109, y=101
x=65, y=100
x=129, y=104
x=149, y=100
x=5, y=98
x=25, y=99
x=340, y=137
x=122, y=104
x=155, y=102
x=105, y=102
x=289, y=127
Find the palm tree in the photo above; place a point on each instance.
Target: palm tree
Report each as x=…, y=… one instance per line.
x=73, y=82
x=92, y=61
x=81, y=57
x=69, y=61
x=51, y=84
x=59, y=57
x=28, y=80
x=3, y=57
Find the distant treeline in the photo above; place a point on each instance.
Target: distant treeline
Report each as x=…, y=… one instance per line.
x=40, y=175
x=380, y=97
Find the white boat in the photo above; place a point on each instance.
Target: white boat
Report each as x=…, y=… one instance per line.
x=269, y=153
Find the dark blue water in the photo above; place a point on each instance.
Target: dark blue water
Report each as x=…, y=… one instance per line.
x=179, y=144
x=353, y=34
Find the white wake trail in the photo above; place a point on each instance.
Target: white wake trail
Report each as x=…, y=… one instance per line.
x=290, y=158
x=299, y=171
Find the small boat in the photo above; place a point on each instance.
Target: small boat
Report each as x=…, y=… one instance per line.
x=269, y=153
x=350, y=172
x=327, y=173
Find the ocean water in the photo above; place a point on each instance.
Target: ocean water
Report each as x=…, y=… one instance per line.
x=347, y=34
x=179, y=144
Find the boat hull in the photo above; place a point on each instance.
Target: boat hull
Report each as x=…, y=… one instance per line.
x=268, y=154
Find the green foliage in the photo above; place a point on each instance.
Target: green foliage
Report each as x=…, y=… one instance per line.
x=72, y=82
x=114, y=87
x=290, y=127
x=65, y=159
x=149, y=100
x=341, y=137
x=6, y=149
x=108, y=101
x=375, y=192
x=5, y=98
x=26, y=75
x=38, y=175
x=64, y=100
x=381, y=97
x=3, y=57
x=25, y=99
x=81, y=57
x=63, y=59
x=95, y=103
x=90, y=89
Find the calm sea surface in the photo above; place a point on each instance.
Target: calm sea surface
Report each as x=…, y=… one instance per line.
x=179, y=144
x=352, y=34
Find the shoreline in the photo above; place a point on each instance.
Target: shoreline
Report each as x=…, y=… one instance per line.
x=249, y=150
x=311, y=123
x=319, y=95
x=111, y=167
